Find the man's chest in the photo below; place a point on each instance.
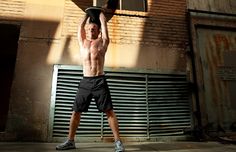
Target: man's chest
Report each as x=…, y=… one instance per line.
x=92, y=48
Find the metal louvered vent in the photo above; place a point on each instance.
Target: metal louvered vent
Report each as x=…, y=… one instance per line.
x=147, y=105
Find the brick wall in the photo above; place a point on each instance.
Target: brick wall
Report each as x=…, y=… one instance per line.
x=12, y=8
x=164, y=24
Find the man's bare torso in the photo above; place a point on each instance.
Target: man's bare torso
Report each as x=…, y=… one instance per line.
x=93, y=57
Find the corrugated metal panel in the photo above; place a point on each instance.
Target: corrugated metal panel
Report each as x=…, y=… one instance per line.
x=146, y=104
x=67, y=85
x=128, y=91
x=168, y=104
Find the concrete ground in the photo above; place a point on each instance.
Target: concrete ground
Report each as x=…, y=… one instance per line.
x=130, y=147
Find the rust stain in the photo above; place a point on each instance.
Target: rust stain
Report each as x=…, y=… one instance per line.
x=216, y=44
x=222, y=39
x=210, y=56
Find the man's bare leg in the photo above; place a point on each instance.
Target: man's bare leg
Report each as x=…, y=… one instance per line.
x=113, y=123
x=74, y=123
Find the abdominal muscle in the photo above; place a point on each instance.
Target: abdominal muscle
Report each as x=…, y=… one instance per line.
x=93, y=61
x=92, y=68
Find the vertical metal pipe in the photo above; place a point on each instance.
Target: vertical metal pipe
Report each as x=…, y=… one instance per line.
x=102, y=125
x=121, y=4
x=146, y=79
x=94, y=2
x=53, y=102
x=144, y=6
x=194, y=75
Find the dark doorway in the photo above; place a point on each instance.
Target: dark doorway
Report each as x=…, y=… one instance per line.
x=9, y=35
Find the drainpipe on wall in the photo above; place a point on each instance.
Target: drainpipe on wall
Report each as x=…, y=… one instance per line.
x=197, y=131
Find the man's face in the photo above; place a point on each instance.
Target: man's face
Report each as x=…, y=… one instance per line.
x=92, y=31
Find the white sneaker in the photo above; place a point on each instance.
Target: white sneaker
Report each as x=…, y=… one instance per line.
x=68, y=144
x=119, y=146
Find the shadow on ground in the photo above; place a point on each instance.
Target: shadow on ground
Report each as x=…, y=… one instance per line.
x=130, y=147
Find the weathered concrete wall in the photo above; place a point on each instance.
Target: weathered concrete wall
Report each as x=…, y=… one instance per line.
x=222, y=6
x=40, y=23
x=147, y=40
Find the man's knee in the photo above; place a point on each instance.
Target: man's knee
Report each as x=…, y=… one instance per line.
x=110, y=113
x=76, y=115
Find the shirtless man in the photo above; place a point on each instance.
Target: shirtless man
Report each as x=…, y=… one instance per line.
x=93, y=48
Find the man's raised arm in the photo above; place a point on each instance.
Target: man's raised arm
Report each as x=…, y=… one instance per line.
x=104, y=30
x=81, y=31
